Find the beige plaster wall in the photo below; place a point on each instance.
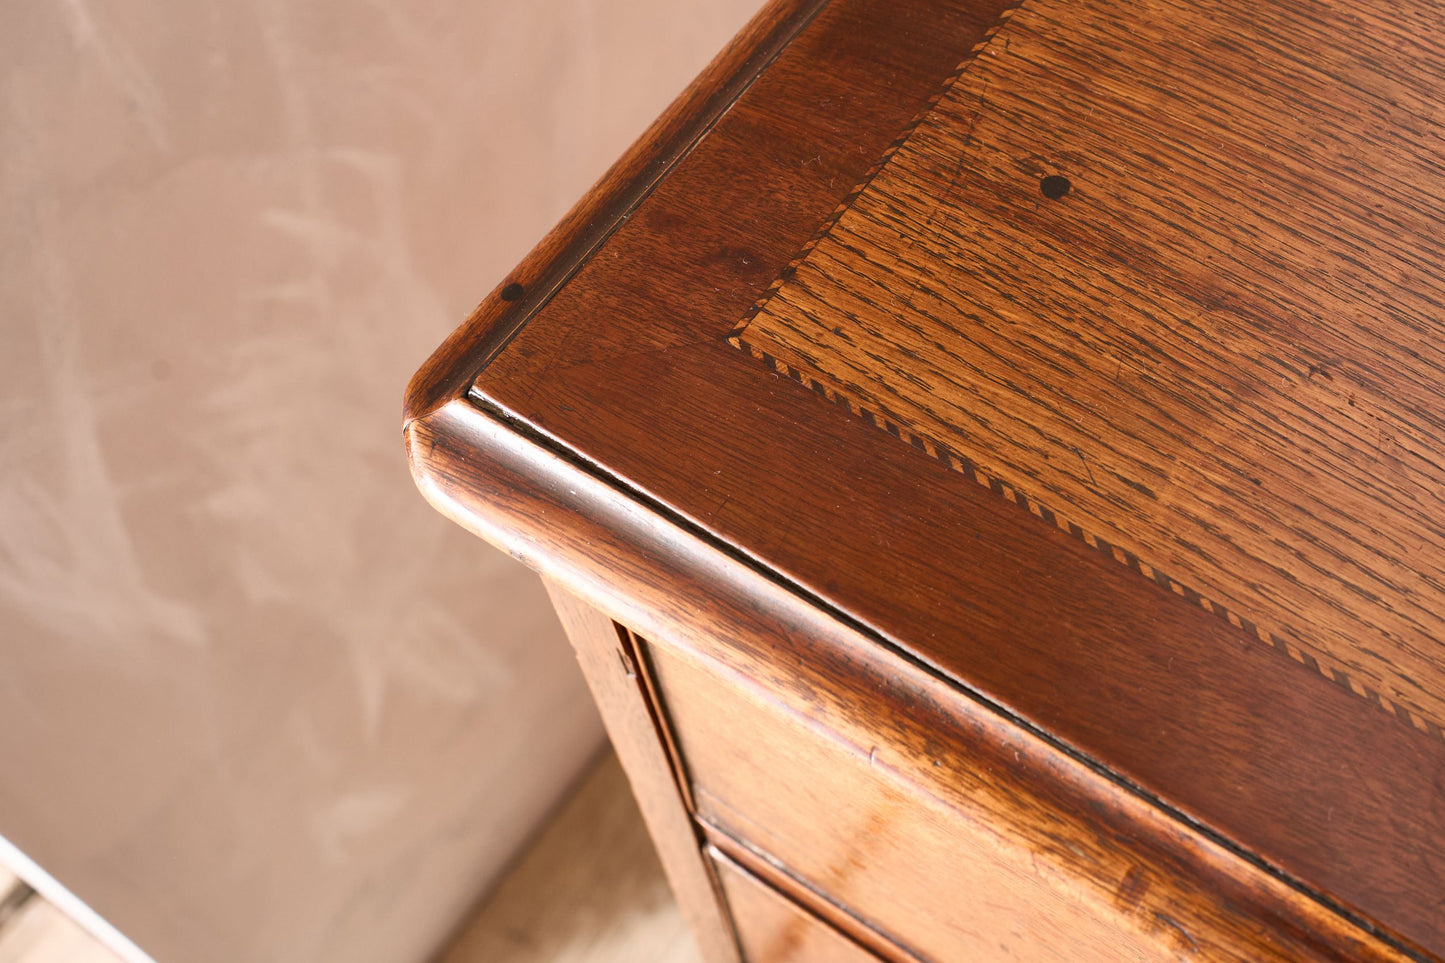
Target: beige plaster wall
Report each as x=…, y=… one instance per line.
x=257, y=701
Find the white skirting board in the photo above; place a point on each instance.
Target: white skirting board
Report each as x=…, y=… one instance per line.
x=50, y=889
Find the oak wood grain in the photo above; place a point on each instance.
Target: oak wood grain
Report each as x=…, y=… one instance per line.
x=768, y=870
x=619, y=444
x=772, y=168
x=1229, y=733
x=1166, y=273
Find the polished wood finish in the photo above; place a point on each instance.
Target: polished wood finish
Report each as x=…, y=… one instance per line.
x=611, y=201
x=767, y=870
x=597, y=423
x=1222, y=367
x=774, y=930
x=668, y=583
x=1175, y=354
x=928, y=847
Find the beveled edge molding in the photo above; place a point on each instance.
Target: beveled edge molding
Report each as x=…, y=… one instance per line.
x=463, y=447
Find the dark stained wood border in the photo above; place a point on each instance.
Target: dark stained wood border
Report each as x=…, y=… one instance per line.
x=774, y=167
x=937, y=450
x=566, y=374
x=517, y=299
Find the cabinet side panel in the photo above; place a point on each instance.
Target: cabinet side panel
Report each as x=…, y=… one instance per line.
x=610, y=665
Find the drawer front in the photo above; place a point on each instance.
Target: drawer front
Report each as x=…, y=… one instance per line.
x=773, y=929
x=874, y=790
x=909, y=866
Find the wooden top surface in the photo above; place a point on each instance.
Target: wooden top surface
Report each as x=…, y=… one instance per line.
x=1170, y=274
x=1196, y=387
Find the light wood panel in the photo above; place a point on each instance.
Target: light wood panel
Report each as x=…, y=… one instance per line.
x=773, y=930
x=1167, y=274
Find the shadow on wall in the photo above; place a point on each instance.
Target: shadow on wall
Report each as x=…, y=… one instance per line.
x=257, y=701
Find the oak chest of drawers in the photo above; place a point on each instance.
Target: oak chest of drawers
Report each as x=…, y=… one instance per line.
x=990, y=460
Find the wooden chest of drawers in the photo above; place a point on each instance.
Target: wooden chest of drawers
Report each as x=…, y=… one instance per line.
x=990, y=460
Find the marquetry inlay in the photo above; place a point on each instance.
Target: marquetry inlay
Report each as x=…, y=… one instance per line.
x=1193, y=315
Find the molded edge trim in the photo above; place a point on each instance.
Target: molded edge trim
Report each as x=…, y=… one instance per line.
x=592, y=508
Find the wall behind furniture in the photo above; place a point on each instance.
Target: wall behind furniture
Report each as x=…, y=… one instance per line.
x=257, y=701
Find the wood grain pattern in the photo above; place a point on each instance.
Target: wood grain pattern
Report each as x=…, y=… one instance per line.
x=773, y=930
x=772, y=169
x=938, y=879
x=618, y=444
x=1225, y=731
x=1216, y=357
x=924, y=854
x=767, y=869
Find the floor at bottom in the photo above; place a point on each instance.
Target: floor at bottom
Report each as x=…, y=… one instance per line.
x=588, y=890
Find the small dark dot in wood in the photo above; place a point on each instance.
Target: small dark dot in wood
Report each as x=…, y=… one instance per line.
x=513, y=292
x=1054, y=186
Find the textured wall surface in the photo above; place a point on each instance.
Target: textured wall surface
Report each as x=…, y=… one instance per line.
x=257, y=701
